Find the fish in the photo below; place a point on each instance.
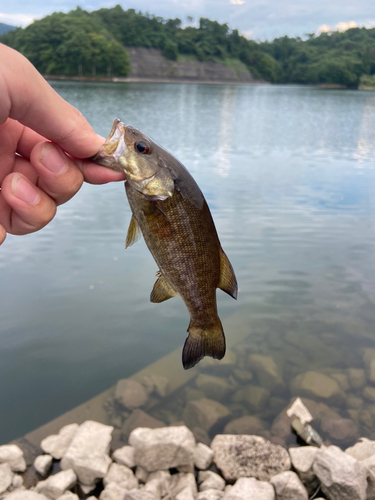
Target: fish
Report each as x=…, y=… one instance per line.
x=171, y=213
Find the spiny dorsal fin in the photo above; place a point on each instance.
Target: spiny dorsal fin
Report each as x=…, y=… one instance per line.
x=134, y=233
x=162, y=290
x=228, y=282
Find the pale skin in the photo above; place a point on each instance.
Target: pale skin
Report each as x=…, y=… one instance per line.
x=43, y=143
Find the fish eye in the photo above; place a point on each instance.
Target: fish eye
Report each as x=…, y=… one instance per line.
x=142, y=147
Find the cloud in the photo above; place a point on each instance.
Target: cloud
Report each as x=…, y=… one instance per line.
x=16, y=19
x=237, y=2
x=342, y=26
x=247, y=34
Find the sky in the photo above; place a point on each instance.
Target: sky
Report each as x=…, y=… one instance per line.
x=256, y=19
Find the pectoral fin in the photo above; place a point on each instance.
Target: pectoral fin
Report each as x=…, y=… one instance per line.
x=162, y=291
x=134, y=233
x=228, y=282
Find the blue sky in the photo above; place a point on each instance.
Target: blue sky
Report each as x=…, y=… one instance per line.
x=258, y=19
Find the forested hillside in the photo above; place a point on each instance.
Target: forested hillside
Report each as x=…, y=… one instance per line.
x=83, y=43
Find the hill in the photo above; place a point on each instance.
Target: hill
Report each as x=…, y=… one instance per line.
x=4, y=28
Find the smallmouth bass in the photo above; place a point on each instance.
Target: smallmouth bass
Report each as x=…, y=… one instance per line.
x=170, y=211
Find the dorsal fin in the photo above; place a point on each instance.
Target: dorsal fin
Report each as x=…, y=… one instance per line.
x=228, y=282
x=162, y=290
x=134, y=233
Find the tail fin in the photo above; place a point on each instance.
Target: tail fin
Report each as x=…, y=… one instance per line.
x=201, y=343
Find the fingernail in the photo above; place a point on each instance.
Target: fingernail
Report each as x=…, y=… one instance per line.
x=53, y=159
x=24, y=190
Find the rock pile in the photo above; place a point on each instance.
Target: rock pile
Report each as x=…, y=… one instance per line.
x=167, y=463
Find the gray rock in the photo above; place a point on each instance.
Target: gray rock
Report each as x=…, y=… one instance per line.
x=288, y=486
x=210, y=495
x=13, y=455
x=354, y=402
x=357, y=378
x=369, y=466
x=140, y=495
x=158, y=449
x=302, y=460
x=121, y=475
x=57, y=444
x=369, y=393
x=25, y=495
x=363, y=448
x=113, y=491
x=267, y=371
x=239, y=456
x=204, y=413
x=213, y=387
x=87, y=488
x=248, y=424
x=249, y=488
x=141, y=474
x=181, y=483
x=139, y=418
x=203, y=456
x=56, y=485
x=317, y=385
x=243, y=376
x=42, y=464
x=68, y=496
x=185, y=494
x=339, y=429
x=341, y=476
x=159, y=483
x=6, y=476
x=124, y=456
x=369, y=362
x=130, y=394
x=254, y=397
x=17, y=481
x=210, y=480
x=156, y=384
x=88, y=452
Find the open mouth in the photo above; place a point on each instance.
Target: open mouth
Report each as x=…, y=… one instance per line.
x=113, y=148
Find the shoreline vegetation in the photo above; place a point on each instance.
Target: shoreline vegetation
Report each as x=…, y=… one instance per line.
x=99, y=44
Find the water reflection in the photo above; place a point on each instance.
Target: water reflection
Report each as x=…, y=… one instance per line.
x=278, y=166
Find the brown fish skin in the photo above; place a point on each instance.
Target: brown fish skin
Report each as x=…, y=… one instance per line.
x=180, y=234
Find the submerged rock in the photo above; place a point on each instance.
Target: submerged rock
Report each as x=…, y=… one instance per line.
x=317, y=385
x=204, y=413
x=130, y=394
x=213, y=387
x=357, y=378
x=245, y=425
x=241, y=456
x=341, y=476
x=267, y=371
x=157, y=449
x=88, y=452
x=339, y=429
x=139, y=418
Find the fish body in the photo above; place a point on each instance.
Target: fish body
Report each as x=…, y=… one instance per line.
x=170, y=211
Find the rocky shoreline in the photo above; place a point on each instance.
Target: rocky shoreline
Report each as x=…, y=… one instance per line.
x=168, y=463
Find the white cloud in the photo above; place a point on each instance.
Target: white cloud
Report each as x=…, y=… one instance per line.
x=342, y=26
x=16, y=19
x=237, y=2
x=247, y=34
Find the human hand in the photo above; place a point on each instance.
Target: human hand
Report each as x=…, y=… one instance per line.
x=43, y=143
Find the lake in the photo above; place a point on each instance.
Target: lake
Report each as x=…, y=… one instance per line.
x=289, y=175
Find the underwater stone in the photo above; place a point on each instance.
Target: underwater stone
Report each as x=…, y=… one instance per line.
x=341, y=476
x=354, y=402
x=204, y=413
x=13, y=455
x=210, y=480
x=239, y=456
x=244, y=425
x=56, y=485
x=288, y=486
x=87, y=454
x=339, y=429
x=213, y=387
x=156, y=384
x=267, y=371
x=342, y=380
x=42, y=464
x=302, y=460
x=357, y=378
x=57, y=444
x=121, y=475
x=6, y=476
x=369, y=393
x=130, y=394
x=369, y=362
x=139, y=418
x=247, y=488
x=316, y=385
x=363, y=448
x=203, y=456
x=158, y=449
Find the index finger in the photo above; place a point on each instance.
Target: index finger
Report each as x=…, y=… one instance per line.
x=29, y=99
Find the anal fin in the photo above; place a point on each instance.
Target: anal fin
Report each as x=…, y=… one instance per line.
x=134, y=233
x=228, y=282
x=162, y=290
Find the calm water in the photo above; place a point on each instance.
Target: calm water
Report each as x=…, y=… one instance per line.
x=289, y=175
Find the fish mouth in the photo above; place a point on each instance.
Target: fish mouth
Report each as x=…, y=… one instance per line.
x=113, y=148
